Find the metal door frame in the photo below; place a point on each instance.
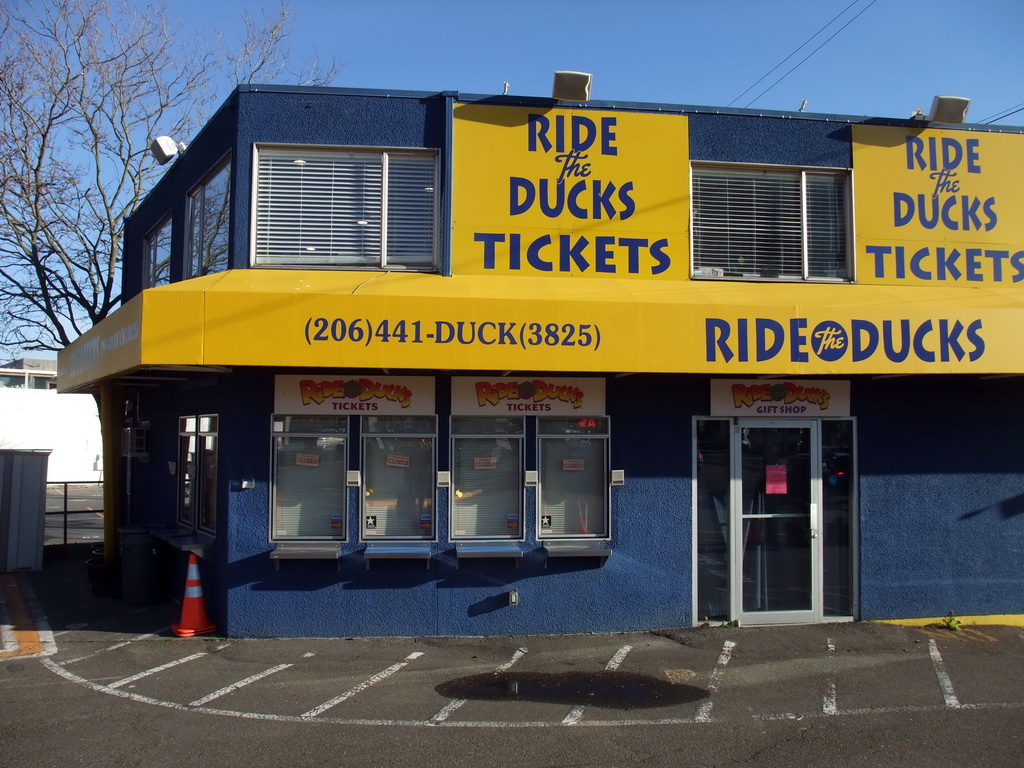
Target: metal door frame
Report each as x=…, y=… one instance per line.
x=756, y=618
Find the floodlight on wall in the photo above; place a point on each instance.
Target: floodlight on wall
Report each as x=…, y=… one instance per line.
x=949, y=109
x=163, y=148
x=571, y=86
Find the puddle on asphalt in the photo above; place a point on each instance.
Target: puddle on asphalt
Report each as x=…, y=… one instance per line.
x=607, y=689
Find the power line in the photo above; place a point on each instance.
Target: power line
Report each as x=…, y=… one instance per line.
x=805, y=42
x=997, y=116
x=811, y=53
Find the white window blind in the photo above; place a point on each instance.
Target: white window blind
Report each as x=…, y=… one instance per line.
x=345, y=208
x=573, y=478
x=487, y=499
x=398, y=477
x=310, y=465
x=769, y=223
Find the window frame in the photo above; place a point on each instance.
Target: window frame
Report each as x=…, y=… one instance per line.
x=344, y=432
x=193, y=259
x=199, y=500
x=606, y=492
x=366, y=435
x=151, y=248
x=520, y=453
x=802, y=173
x=382, y=260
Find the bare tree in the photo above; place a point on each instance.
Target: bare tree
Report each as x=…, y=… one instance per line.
x=84, y=86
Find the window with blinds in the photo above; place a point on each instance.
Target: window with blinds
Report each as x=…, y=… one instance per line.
x=574, y=491
x=770, y=223
x=324, y=207
x=398, y=477
x=487, y=460
x=310, y=466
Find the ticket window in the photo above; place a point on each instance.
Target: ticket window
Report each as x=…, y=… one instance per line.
x=398, y=477
x=487, y=478
x=310, y=462
x=573, y=487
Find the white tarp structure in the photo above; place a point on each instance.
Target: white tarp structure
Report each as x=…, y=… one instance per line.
x=67, y=425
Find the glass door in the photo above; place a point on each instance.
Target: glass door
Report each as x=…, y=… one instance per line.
x=775, y=522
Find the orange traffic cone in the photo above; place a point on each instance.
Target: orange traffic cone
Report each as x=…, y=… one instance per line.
x=194, y=620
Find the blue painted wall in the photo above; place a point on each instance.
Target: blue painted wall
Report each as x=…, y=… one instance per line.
x=646, y=582
x=941, y=496
x=941, y=519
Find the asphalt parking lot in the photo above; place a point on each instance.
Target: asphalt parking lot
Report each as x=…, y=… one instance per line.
x=686, y=683
x=670, y=677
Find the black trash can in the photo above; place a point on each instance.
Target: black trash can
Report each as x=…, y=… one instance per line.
x=140, y=571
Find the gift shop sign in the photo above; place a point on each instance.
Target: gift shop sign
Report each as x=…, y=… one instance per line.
x=780, y=398
x=561, y=192
x=360, y=395
x=938, y=206
x=525, y=396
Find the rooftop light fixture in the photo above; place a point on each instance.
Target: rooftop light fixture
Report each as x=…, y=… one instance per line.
x=571, y=86
x=949, y=109
x=163, y=148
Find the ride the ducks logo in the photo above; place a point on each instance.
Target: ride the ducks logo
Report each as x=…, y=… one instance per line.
x=783, y=393
x=527, y=395
x=362, y=391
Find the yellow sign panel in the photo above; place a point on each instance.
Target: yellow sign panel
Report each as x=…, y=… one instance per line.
x=276, y=318
x=938, y=206
x=562, y=192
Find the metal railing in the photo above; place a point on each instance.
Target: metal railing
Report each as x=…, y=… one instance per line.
x=74, y=498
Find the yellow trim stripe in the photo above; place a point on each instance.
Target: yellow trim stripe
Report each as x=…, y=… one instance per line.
x=25, y=633
x=1006, y=619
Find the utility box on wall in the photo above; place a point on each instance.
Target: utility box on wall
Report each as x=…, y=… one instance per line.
x=22, y=509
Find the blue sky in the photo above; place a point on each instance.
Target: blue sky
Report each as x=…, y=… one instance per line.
x=895, y=56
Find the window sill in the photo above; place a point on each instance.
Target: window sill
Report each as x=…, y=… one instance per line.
x=188, y=540
x=487, y=549
x=306, y=551
x=397, y=550
x=598, y=549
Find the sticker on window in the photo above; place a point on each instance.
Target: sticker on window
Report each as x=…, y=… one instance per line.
x=572, y=465
x=425, y=522
x=775, y=479
x=337, y=521
x=395, y=460
x=307, y=460
x=371, y=522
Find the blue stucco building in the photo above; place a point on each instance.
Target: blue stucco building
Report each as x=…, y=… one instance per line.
x=397, y=363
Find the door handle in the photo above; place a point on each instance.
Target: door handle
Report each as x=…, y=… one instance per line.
x=815, y=533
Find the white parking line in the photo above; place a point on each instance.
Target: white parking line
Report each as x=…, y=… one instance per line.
x=945, y=684
x=240, y=684
x=446, y=711
x=576, y=713
x=704, y=713
x=830, y=706
x=154, y=670
x=362, y=686
x=113, y=647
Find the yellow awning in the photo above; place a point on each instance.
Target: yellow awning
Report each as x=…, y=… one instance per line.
x=396, y=320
